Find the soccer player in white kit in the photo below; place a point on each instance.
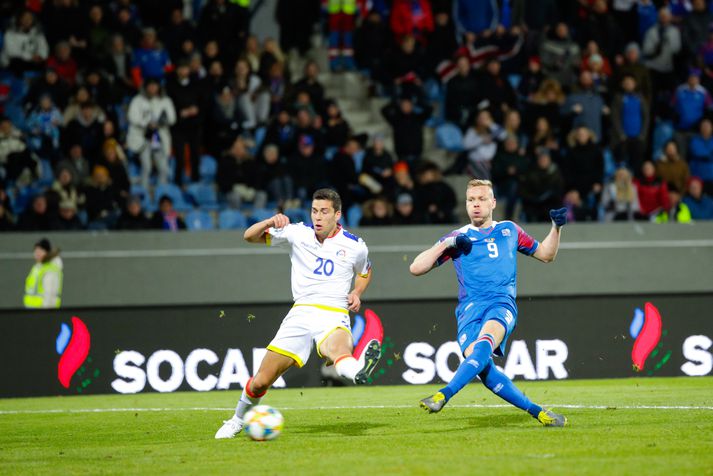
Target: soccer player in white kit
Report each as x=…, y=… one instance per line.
x=325, y=258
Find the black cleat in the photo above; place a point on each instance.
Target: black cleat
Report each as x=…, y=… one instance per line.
x=370, y=357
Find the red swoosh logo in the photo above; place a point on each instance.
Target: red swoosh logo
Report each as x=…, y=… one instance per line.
x=75, y=354
x=648, y=338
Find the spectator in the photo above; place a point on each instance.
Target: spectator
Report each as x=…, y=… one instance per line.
x=275, y=178
x=65, y=190
x=435, y=199
x=620, y=199
x=546, y=103
x=695, y=28
x=133, y=217
x=404, y=211
x=406, y=67
x=677, y=212
x=630, y=124
x=77, y=164
x=661, y=44
x=341, y=23
x=80, y=96
x=371, y=41
x=238, y=176
x=43, y=286
x=403, y=179
x=126, y=26
x=407, y=125
x=699, y=203
x=151, y=61
x=601, y=27
x=296, y=20
x=115, y=162
x=150, y=116
x=512, y=123
x=462, y=95
x=343, y=176
x=672, y=169
x=225, y=122
x=38, y=217
x=253, y=98
x=560, y=55
x=252, y=53
x=579, y=210
x=600, y=69
x=541, y=188
x=508, y=166
x=15, y=157
x=336, y=128
x=481, y=144
x=189, y=103
x=630, y=65
x=24, y=46
x=475, y=16
x=378, y=167
x=48, y=84
x=117, y=65
x=496, y=89
x=282, y=132
x=166, y=218
x=102, y=202
x=377, y=211
x=653, y=192
x=179, y=29
x=586, y=106
x=690, y=103
x=99, y=89
x=67, y=219
x=310, y=84
x=441, y=42
x=98, y=35
x=227, y=23
x=44, y=125
x=412, y=18
x=87, y=130
x=583, y=168
x=700, y=153
x=532, y=79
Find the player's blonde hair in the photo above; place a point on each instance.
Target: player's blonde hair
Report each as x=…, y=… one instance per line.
x=480, y=183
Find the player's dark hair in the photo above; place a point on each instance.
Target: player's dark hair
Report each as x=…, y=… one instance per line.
x=331, y=195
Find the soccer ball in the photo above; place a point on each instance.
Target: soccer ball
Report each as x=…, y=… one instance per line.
x=263, y=423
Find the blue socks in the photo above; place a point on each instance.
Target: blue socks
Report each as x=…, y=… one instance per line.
x=499, y=383
x=470, y=367
x=480, y=363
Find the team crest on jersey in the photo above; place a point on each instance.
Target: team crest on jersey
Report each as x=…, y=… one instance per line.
x=489, y=240
x=506, y=232
x=342, y=253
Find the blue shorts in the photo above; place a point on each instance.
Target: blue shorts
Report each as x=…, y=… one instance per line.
x=472, y=319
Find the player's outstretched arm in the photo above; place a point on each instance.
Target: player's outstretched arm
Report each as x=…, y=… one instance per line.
x=427, y=260
x=256, y=233
x=547, y=251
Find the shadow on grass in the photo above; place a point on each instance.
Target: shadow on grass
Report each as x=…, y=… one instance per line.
x=343, y=429
x=504, y=420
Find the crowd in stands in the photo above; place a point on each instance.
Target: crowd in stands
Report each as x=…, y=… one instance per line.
x=136, y=114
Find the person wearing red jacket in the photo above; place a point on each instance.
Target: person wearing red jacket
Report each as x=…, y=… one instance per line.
x=653, y=192
x=411, y=17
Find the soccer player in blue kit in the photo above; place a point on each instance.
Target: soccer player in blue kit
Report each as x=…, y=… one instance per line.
x=483, y=255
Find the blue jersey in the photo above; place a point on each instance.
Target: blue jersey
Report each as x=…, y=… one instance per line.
x=487, y=275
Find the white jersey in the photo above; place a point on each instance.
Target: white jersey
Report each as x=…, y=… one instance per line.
x=322, y=273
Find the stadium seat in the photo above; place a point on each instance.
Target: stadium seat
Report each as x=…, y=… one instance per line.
x=297, y=215
x=208, y=168
x=449, y=137
x=230, y=219
x=46, y=174
x=175, y=193
x=199, y=220
x=139, y=191
x=354, y=216
x=260, y=214
x=203, y=195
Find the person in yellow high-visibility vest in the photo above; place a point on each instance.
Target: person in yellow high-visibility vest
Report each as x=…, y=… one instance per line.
x=342, y=16
x=43, y=286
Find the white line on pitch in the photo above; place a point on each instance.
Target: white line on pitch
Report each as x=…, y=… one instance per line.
x=216, y=409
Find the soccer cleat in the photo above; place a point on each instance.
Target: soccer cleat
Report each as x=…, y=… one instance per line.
x=550, y=418
x=434, y=403
x=369, y=358
x=230, y=428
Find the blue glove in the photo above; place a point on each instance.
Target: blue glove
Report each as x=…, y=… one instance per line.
x=559, y=217
x=461, y=242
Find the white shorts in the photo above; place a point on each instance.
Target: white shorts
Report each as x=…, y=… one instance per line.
x=304, y=324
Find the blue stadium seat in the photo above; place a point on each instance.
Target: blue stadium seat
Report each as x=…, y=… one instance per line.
x=449, y=137
x=139, y=191
x=46, y=174
x=259, y=214
x=354, y=215
x=199, y=220
x=230, y=219
x=174, y=192
x=208, y=168
x=297, y=215
x=203, y=195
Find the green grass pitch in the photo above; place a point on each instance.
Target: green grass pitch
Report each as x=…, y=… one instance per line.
x=628, y=426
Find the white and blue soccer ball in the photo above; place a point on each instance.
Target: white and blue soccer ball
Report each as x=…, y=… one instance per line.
x=263, y=423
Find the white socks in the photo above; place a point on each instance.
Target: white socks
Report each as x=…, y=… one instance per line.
x=247, y=401
x=347, y=367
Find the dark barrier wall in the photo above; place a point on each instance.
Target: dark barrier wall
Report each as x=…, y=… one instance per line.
x=208, y=348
